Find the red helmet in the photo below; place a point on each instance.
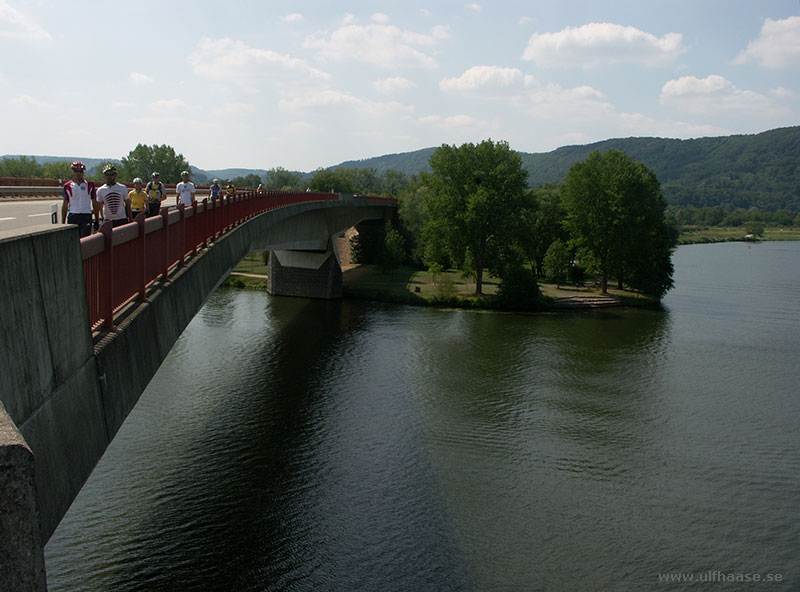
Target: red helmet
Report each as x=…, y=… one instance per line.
x=77, y=166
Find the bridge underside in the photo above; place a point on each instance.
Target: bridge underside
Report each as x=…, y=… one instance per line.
x=64, y=397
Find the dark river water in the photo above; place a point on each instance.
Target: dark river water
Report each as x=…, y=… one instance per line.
x=289, y=444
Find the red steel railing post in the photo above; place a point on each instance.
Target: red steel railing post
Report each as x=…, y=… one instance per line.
x=106, y=279
x=140, y=260
x=206, y=224
x=165, y=230
x=194, y=228
x=182, y=230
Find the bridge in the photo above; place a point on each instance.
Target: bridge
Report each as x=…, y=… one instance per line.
x=75, y=311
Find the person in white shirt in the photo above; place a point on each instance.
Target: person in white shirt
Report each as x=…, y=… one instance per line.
x=79, y=201
x=114, y=198
x=185, y=190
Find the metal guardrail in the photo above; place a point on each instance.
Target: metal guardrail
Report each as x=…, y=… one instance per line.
x=151, y=247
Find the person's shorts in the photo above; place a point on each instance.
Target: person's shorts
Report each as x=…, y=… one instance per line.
x=83, y=221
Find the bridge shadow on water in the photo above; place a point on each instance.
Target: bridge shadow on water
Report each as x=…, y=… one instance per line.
x=264, y=468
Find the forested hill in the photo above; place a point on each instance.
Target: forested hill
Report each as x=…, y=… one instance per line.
x=761, y=170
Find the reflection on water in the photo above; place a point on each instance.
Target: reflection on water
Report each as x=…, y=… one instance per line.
x=289, y=444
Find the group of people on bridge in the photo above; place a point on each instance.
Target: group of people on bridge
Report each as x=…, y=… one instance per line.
x=113, y=201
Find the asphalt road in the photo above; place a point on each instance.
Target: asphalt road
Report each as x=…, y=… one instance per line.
x=16, y=215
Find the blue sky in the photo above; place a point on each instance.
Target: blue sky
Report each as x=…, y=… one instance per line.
x=304, y=85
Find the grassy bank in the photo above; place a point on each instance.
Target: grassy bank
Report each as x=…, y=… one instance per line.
x=714, y=234
x=422, y=288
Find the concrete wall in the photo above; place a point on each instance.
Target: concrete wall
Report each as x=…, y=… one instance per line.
x=67, y=398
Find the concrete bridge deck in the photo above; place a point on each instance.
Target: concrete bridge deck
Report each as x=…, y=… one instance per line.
x=65, y=393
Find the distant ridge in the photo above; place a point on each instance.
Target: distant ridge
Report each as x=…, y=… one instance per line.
x=741, y=171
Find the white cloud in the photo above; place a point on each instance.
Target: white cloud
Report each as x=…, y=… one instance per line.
x=525, y=20
x=348, y=19
x=474, y=6
x=167, y=105
x=15, y=25
x=642, y=125
x=393, y=84
x=235, y=109
x=711, y=95
x=598, y=43
x=777, y=45
x=481, y=76
x=29, y=101
x=386, y=46
x=554, y=102
x=123, y=104
x=328, y=99
x=227, y=60
x=292, y=17
x=138, y=78
x=782, y=93
x=450, y=121
x=380, y=17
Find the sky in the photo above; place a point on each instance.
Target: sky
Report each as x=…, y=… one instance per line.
x=303, y=85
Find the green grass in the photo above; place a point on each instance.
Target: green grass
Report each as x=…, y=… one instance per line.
x=252, y=263
x=718, y=234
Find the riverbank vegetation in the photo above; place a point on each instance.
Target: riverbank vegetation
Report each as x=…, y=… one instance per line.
x=474, y=215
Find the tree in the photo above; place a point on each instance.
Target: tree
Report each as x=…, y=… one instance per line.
x=557, y=261
x=329, y=180
x=248, y=181
x=281, y=179
x=474, y=204
x=394, y=182
x=544, y=224
x=143, y=160
x=394, y=248
x=754, y=228
x=22, y=166
x=57, y=169
x=616, y=217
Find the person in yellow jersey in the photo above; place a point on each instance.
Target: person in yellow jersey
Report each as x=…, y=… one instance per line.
x=138, y=197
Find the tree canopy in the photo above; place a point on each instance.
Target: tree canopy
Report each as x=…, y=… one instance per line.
x=143, y=160
x=476, y=194
x=330, y=180
x=615, y=214
x=280, y=179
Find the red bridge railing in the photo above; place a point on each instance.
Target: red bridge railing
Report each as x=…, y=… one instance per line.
x=120, y=263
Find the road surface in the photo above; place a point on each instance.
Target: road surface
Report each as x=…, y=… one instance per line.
x=16, y=215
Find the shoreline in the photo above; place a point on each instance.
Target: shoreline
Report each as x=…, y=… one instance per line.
x=365, y=282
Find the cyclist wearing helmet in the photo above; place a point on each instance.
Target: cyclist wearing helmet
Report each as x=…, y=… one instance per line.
x=155, y=194
x=137, y=197
x=214, y=189
x=185, y=190
x=79, y=200
x=230, y=189
x=114, y=197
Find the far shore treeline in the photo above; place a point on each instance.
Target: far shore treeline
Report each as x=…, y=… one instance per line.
x=611, y=211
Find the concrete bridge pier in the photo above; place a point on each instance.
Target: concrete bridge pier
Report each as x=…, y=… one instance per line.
x=307, y=274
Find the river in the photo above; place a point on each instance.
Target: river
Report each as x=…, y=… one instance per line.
x=290, y=444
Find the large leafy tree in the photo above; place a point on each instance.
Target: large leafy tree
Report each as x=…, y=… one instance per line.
x=475, y=198
x=616, y=217
x=143, y=160
x=281, y=179
x=330, y=180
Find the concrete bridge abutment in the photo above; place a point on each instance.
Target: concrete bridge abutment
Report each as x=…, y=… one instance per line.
x=307, y=274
